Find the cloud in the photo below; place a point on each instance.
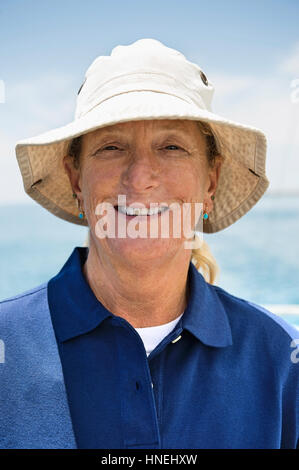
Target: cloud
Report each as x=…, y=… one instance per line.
x=40, y=104
x=31, y=107
x=268, y=103
x=290, y=65
x=228, y=85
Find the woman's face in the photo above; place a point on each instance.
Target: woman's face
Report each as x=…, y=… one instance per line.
x=157, y=161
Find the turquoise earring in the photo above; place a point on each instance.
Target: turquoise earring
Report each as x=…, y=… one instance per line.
x=206, y=215
x=81, y=214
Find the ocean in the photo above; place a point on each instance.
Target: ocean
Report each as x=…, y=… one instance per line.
x=258, y=256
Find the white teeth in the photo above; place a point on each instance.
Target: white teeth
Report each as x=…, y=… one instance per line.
x=141, y=211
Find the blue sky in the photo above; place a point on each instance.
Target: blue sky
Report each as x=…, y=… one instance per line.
x=69, y=33
x=249, y=50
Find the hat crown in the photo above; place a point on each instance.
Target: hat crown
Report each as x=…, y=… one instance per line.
x=146, y=64
x=150, y=45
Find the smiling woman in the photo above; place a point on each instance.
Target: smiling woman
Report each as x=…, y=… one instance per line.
x=130, y=345
x=150, y=162
x=201, y=256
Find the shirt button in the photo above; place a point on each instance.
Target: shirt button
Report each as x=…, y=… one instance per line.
x=175, y=340
x=152, y=385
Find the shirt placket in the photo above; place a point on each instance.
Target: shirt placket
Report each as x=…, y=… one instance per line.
x=141, y=393
x=139, y=419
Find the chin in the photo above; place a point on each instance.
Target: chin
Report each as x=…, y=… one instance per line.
x=140, y=250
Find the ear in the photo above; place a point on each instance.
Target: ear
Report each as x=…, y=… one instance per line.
x=74, y=175
x=213, y=178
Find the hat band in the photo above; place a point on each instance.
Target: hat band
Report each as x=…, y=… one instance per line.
x=145, y=81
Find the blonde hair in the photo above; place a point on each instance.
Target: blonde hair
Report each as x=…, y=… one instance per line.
x=201, y=257
x=205, y=262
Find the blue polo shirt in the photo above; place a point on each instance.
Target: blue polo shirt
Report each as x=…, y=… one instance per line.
x=225, y=377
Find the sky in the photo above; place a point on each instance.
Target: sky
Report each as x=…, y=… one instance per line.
x=248, y=50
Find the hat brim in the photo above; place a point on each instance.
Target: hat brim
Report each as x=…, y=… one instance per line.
x=242, y=180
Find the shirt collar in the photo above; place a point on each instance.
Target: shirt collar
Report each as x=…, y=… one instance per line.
x=75, y=310
x=205, y=316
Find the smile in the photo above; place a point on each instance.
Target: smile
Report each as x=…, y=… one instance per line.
x=136, y=211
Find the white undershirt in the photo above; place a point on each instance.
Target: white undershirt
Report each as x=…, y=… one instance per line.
x=153, y=335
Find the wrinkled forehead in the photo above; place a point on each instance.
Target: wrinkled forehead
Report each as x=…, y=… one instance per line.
x=187, y=129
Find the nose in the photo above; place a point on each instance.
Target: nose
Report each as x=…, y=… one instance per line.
x=142, y=172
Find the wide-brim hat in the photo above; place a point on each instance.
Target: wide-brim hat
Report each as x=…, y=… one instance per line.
x=147, y=80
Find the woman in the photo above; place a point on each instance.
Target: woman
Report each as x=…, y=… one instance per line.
x=130, y=346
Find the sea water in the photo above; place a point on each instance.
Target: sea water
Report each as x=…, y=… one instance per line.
x=258, y=256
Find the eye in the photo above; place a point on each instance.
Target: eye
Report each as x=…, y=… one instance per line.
x=110, y=147
x=174, y=150
x=172, y=147
x=107, y=148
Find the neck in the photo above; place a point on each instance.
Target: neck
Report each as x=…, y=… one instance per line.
x=143, y=297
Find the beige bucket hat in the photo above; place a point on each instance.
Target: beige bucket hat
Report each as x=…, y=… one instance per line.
x=147, y=80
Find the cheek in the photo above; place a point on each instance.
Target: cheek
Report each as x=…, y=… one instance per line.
x=98, y=183
x=186, y=182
